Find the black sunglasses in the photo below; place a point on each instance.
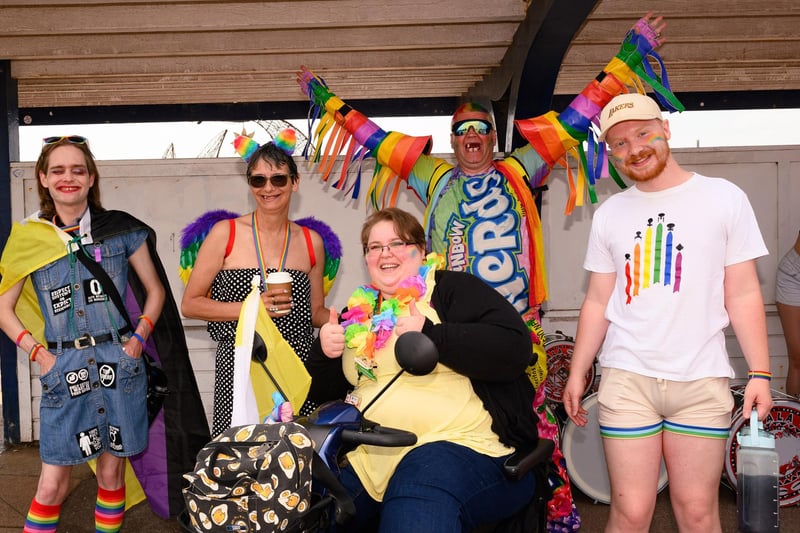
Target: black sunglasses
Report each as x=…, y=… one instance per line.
x=258, y=181
x=72, y=139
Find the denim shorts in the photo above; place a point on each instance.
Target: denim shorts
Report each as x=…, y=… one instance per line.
x=93, y=401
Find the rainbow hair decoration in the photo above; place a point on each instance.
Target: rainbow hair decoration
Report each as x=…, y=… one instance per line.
x=286, y=140
x=244, y=145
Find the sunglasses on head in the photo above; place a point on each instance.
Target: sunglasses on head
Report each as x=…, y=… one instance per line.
x=481, y=127
x=258, y=181
x=72, y=139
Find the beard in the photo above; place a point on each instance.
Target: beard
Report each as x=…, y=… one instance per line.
x=660, y=157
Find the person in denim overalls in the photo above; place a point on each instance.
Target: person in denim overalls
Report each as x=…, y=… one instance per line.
x=93, y=379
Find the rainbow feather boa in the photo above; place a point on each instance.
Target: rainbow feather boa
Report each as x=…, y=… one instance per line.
x=365, y=330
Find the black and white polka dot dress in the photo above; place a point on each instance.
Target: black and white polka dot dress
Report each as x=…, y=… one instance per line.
x=234, y=286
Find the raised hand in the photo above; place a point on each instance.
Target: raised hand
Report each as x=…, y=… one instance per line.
x=413, y=322
x=651, y=29
x=331, y=336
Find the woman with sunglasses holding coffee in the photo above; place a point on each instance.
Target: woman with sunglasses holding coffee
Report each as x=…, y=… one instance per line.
x=258, y=243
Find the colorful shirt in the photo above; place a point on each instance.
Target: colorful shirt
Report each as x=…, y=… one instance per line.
x=479, y=223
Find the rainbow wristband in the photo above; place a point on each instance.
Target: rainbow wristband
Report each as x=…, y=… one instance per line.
x=36, y=347
x=149, y=322
x=21, y=336
x=759, y=374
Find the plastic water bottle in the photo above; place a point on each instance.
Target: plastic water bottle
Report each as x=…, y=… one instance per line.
x=757, y=479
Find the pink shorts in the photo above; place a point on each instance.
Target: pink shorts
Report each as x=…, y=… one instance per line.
x=634, y=406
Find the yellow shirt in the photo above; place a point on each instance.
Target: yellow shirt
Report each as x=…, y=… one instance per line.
x=441, y=406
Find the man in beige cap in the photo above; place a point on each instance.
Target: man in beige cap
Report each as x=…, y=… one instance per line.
x=672, y=263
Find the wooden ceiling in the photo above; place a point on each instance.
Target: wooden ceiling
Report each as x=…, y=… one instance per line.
x=90, y=53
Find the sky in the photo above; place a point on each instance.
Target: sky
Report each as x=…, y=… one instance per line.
x=190, y=139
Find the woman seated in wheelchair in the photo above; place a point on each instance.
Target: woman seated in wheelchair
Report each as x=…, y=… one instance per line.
x=469, y=414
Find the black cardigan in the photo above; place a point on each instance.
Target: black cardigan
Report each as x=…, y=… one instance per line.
x=481, y=336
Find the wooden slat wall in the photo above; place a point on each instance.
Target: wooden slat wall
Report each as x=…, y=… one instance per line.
x=713, y=45
x=106, y=53
x=99, y=52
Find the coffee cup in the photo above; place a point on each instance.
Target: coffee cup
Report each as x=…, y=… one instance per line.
x=280, y=280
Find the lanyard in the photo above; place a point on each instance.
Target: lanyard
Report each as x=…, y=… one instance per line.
x=259, y=252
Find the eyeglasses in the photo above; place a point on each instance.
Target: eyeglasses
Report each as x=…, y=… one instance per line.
x=374, y=249
x=72, y=139
x=277, y=181
x=481, y=127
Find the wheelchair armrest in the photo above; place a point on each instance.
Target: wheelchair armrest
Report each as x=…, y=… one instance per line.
x=522, y=461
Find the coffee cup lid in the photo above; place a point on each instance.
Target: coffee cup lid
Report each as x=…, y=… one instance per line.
x=279, y=277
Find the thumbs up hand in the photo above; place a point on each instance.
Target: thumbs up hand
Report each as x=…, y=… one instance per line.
x=331, y=336
x=413, y=322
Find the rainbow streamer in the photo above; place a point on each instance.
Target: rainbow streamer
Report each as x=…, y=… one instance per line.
x=555, y=136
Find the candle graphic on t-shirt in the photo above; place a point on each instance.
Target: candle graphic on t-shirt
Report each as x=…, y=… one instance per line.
x=648, y=253
x=653, y=262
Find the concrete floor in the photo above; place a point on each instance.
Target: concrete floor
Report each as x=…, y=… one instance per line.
x=19, y=471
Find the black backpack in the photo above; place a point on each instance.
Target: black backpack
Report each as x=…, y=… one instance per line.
x=251, y=478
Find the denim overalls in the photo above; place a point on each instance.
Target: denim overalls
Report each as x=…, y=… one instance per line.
x=93, y=399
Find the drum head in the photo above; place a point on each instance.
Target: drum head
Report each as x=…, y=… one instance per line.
x=586, y=463
x=559, y=357
x=783, y=421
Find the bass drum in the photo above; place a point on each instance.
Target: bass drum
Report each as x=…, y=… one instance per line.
x=559, y=348
x=586, y=462
x=783, y=421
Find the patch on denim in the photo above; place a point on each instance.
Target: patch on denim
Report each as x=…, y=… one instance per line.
x=108, y=375
x=115, y=438
x=89, y=441
x=78, y=382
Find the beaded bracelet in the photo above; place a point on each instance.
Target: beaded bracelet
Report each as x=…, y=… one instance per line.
x=138, y=338
x=36, y=347
x=21, y=336
x=759, y=374
x=149, y=322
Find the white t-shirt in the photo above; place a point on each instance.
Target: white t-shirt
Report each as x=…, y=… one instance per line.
x=669, y=250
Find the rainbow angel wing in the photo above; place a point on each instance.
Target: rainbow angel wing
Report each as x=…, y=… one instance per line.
x=333, y=249
x=193, y=236
x=195, y=233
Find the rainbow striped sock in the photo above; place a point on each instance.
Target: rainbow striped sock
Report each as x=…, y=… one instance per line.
x=41, y=518
x=109, y=510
